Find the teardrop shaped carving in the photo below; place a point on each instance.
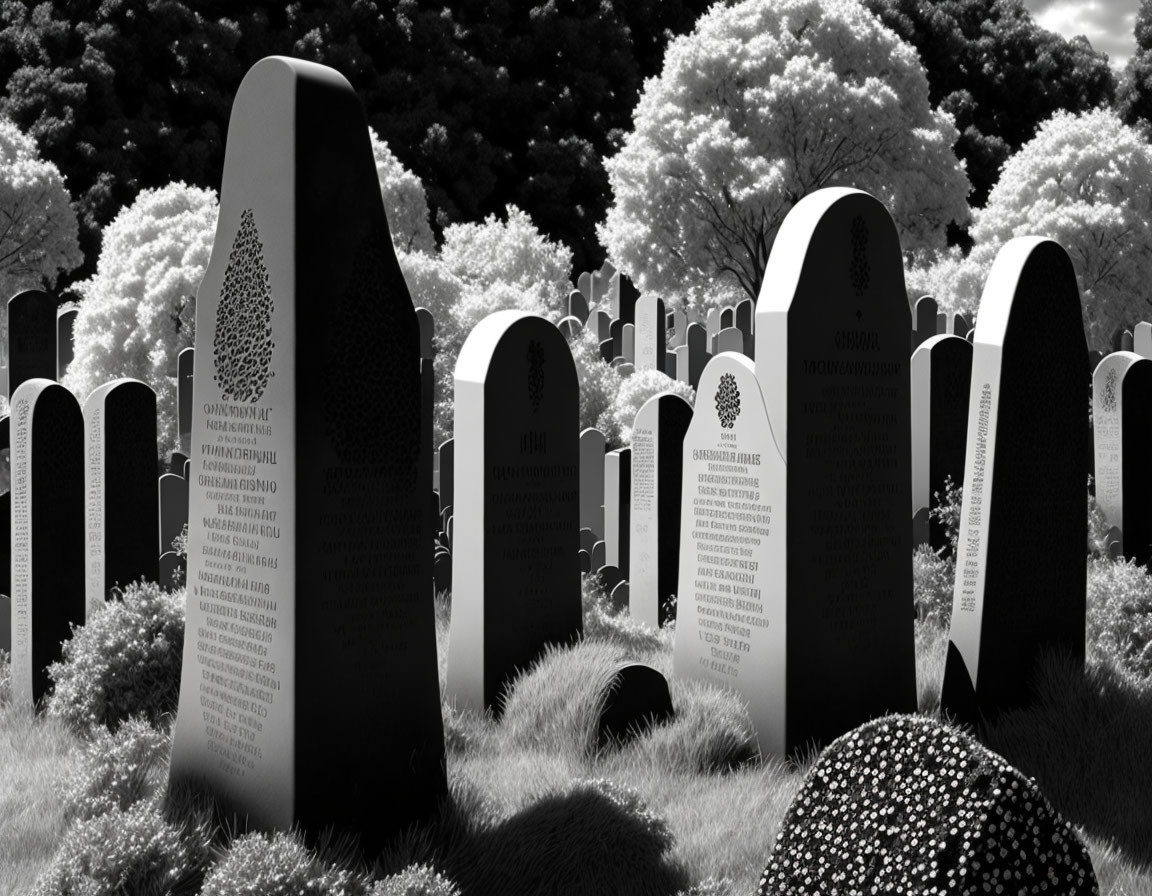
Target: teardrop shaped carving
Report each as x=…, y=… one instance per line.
x=242, y=349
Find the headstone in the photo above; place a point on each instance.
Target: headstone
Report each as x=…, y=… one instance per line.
x=47, y=531
x=1020, y=575
x=920, y=527
x=185, y=361
x=625, y=368
x=730, y=339
x=960, y=326
x=65, y=324
x=907, y=805
x=657, y=467
x=31, y=338
x=570, y=327
x=941, y=323
x=679, y=328
x=833, y=366
x=696, y=357
x=447, y=473
x=669, y=367
x=427, y=412
x=121, y=494
x=592, y=449
x=598, y=554
x=584, y=284
x=1122, y=429
x=578, y=306
x=651, y=337
x=618, y=597
x=603, y=323
x=971, y=336
x=427, y=330
x=585, y=561
x=607, y=350
x=711, y=328
x=1126, y=341
x=623, y=298
x=174, y=496
x=745, y=317
x=1142, y=339
x=517, y=419
x=941, y=374
x=727, y=317
x=169, y=564
x=617, y=502
x=628, y=343
x=732, y=623
x=587, y=539
x=5, y=621
x=925, y=320
x=442, y=571
x=610, y=577
x=617, y=331
x=636, y=700
x=308, y=381
x=177, y=462
x=5, y=507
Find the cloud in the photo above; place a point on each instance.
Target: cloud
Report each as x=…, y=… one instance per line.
x=1108, y=24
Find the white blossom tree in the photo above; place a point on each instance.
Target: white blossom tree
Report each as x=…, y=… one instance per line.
x=405, y=201
x=763, y=103
x=153, y=256
x=1084, y=180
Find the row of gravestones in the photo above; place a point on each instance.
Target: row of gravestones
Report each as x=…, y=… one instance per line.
x=308, y=606
x=39, y=343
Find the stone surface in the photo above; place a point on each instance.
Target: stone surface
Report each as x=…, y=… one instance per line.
x=121, y=495
x=170, y=562
x=731, y=616
x=924, y=321
x=47, y=531
x=515, y=563
x=1122, y=435
x=941, y=375
x=309, y=486
x=591, y=481
x=174, y=496
x=617, y=508
x=833, y=366
x=622, y=298
x=31, y=338
x=185, y=363
x=5, y=621
x=730, y=339
x=1142, y=339
x=578, y=306
x=637, y=700
x=657, y=465
x=447, y=474
x=1021, y=575
x=65, y=323
x=651, y=333
x=906, y=805
x=427, y=327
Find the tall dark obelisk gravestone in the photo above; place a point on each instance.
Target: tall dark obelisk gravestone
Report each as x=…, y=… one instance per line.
x=731, y=615
x=120, y=490
x=515, y=569
x=65, y=350
x=185, y=362
x=31, y=338
x=832, y=360
x=941, y=376
x=1020, y=573
x=47, y=531
x=309, y=692
x=657, y=474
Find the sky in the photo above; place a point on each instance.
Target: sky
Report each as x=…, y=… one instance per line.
x=1108, y=24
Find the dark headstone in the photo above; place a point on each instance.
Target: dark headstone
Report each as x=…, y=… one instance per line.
x=578, y=306
x=906, y=805
x=427, y=330
x=669, y=367
x=584, y=284
x=177, y=462
x=698, y=356
x=617, y=503
x=607, y=350
x=185, y=362
x=920, y=527
x=960, y=325
x=447, y=474
x=598, y=554
x=5, y=621
x=442, y=571
x=308, y=378
x=618, y=596
x=727, y=317
x=170, y=563
x=711, y=328
x=732, y=624
x=47, y=531
x=121, y=494
x=65, y=324
x=602, y=320
x=570, y=327
x=174, y=496
x=616, y=328
x=1122, y=428
x=1126, y=341
x=31, y=338
x=515, y=563
x=651, y=335
x=941, y=374
x=623, y=296
x=657, y=469
x=637, y=699
x=587, y=539
x=585, y=561
x=1020, y=571
x=924, y=319
x=610, y=577
x=833, y=366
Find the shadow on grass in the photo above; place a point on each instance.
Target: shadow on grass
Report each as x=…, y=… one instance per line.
x=1088, y=743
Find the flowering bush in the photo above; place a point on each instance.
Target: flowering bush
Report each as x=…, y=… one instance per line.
x=125, y=661
x=616, y=422
x=416, y=880
x=405, y=202
x=278, y=865
x=118, y=770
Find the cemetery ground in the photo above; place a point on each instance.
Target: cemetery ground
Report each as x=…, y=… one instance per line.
x=534, y=800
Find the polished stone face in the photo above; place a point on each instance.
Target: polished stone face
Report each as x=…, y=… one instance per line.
x=515, y=563
x=310, y=612
x=1020, y=584
x=32, y=338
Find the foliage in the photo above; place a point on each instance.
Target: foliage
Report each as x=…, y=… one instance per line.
x=278, y=865
x=124, y=662
x=118, y=770
x=37, y=223
x=1119, y=622
x=5, y=678
x=415, y=880
x=127, y=851
x=154, y=255
x=599, y=381
x=404, y=200
x=765, y=102
x=616, y=422
x=1085, y=181
x=1134, y=94
x=946, y=511
x=932, y=581
x=604, y=624
x=997, y=72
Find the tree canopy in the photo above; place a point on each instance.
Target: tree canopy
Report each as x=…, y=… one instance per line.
x=765, y=102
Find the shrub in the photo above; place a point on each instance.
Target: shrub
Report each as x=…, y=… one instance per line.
x=125, y=661
x=932, y=581
x=947, y=511
x=415, y=880
x=118, y=770
x=604, y=624
x=5, y=678
x=1119, y=618
x=278, y=865
x=599, y=380
x=616, y=422
x=126, y=851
